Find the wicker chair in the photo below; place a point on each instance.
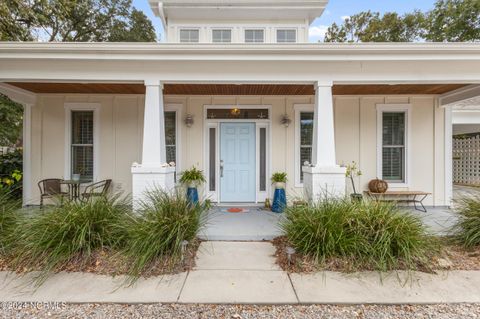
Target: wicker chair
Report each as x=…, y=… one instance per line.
x=50, y=188
x=97, y=189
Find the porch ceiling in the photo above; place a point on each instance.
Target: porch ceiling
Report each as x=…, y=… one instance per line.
x=233, y=89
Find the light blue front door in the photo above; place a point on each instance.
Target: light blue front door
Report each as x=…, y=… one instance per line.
x=237, y=162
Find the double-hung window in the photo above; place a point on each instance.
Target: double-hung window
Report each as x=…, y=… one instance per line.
x=393, y=143
x=222, y=36
x=82, y=142
x=189, y=35
x=254, y=36
x=286, y=36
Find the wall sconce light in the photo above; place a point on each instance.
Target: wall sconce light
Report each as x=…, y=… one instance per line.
x=189, y=120
x=285, y=120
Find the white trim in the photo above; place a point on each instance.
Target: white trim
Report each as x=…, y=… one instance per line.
x=178, y=109
x=27, y=154
x=448, y=157
x=453, y=97
x=299, y=108
x=95, y=107
x=17, y=94
x=407, y=108
x=210, y=123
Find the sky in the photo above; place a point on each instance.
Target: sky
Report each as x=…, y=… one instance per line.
x=336, y=11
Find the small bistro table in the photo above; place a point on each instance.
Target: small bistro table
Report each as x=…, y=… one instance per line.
x=414, y=197
x=74, y=188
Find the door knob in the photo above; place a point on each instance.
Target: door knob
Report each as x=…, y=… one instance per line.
x=221, y=168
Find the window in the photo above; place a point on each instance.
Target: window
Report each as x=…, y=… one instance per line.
x=82, y=144
x=392, y=157
x=393, y=146
x=236, y=113
x=212, y=158
x=171, y=136
x=222, y=36
x=263, y=159
x=286, y=36
x=254, y=36
x=303, y=139
x=189, y=36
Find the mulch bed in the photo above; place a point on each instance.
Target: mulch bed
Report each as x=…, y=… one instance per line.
x=452, y=257
x=108, y=262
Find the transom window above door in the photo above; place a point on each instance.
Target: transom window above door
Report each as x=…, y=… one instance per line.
x=222, y=36
x=237, y=113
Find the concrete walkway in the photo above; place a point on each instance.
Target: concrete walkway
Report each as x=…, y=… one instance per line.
x=246, y=273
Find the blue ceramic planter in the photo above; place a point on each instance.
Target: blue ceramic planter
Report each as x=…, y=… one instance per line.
x=279, y=200
x=192, y=195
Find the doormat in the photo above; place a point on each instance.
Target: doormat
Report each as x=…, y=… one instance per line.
x=236, y=210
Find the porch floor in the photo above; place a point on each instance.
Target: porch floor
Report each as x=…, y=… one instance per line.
x=259, y=224
x=255, y=225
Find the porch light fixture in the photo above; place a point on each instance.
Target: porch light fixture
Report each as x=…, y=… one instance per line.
x=189, y=120
x=285, y=120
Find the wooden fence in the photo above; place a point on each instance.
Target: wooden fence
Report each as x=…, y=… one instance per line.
x=466, y=161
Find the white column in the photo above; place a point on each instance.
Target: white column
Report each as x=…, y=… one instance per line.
x=323, y=150
x=153, y=172
x=153, y=153
x=323, y=178
x=27, y=154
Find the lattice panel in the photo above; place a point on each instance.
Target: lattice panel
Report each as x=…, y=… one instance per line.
x=466, y=160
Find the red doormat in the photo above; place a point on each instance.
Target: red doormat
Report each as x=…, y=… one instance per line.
x=236, y=210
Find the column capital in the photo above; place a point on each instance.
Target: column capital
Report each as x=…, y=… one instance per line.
x=158, y=83
x=324, y=83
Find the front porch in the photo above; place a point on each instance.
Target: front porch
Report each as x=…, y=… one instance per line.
x=326, y=124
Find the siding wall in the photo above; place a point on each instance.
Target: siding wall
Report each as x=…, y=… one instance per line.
x=121, y=127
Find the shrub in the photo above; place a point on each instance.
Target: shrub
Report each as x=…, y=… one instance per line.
x=50, y=238
x=372, y=235
x=9, y=210
x=467, y=228
x=11, y=172
x=157, y=230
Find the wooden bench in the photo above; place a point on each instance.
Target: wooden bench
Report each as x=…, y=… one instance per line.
x=415, y=197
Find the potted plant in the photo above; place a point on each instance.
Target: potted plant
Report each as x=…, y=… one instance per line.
x=192, y=178
x=352, y=172
x=279, y=179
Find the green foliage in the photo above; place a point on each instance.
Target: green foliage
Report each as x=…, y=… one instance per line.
x=158, y=229
x=372, y=27
x=78, y=21
x=193, y=175
x=9, y=206
x=454, y=21
x=11, y=116
x=450, y=20
x=373, y=235
x=279, y=177
x=467, y=228
x=51, y=238
x=11, y=166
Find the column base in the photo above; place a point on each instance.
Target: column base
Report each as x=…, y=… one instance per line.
x=322, y=182
x=146, y=179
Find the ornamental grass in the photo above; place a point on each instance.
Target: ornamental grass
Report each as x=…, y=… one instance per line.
x=370, y=235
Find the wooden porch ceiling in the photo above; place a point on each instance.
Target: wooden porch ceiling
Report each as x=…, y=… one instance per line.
x=233, y=89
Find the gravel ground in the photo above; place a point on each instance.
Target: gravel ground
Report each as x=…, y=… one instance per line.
x=245, y=311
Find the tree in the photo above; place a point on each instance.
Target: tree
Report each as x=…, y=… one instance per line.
x=372, y=27
x=454, y=21
x=11, y=114
x=449, y=20
x=78, y=21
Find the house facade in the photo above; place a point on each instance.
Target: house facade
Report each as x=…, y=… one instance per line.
x=237, y=91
